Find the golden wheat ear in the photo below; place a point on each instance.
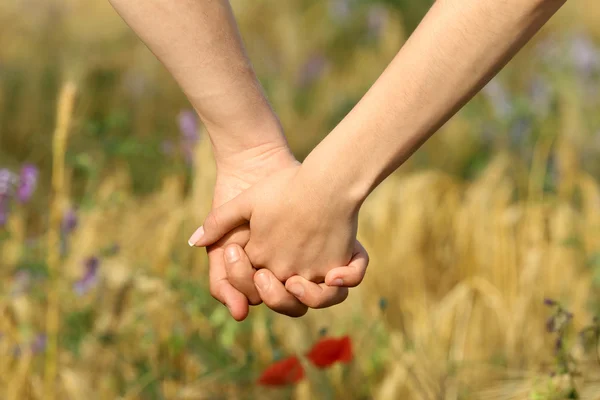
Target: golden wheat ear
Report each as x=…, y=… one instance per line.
x=66, y=103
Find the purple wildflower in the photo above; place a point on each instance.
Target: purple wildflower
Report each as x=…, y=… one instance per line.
x=339, y=10
x=68, y=225
x=69, y=222
x=558, y=345
x=27, y=182
x=549, y=302
x=584, y=55
x=7, y=183
x=3, y=210
x=376, y=19
x=39, y=344
x=188, y=126
x=312, y=69
x=36, y=346
x=540, y=94
x=499, y=98
x=569, y=315
x=550, y=51
x=90, y=277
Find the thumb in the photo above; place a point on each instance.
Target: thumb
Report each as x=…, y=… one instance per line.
x=352, y=274
x=222, y=220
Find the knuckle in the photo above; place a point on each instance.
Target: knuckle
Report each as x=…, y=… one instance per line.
x=275, y=304
x=256, y=255
x=212, y=222
x=314, y=303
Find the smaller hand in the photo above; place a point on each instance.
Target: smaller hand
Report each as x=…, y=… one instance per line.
x=276, y=296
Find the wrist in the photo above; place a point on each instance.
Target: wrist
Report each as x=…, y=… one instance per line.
x=332, y=175
x=257, y=161
x=241, y=134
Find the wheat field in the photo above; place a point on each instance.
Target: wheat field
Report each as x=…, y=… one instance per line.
x=497, y=215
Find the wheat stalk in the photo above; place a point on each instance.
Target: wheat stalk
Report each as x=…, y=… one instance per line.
x=59, y=145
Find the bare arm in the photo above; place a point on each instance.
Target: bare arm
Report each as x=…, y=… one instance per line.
x=309, y=217
x=458, y=47
x=200, y=45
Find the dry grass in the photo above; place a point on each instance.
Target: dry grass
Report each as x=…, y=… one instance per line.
x=463, y=265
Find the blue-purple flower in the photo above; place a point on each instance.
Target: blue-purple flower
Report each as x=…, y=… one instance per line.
x=3, y=210
x=499, y=99
x=312, y=70
x=27, y=183
x=339, y=10
x=188, y=127
x=39, y=344
x=585, y=56
x=376, y=19
x=68, y=225
x=540, y=94
x=89, y=278
x=550, y=302
x=36, y=346
x=7, y=183
x=69, y=222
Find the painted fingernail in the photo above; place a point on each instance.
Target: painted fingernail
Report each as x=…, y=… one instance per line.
x=196, y=236
x=337, y=282
x=232, y=254
x=263, y=282
x=296, y=289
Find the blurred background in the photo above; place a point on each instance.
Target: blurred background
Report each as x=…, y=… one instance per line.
x=485, y=246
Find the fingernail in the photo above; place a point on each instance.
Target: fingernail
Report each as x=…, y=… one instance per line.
x=196, y=236
x=232, y=254
x=296, y=289
x=337, y=282
x=263, y=282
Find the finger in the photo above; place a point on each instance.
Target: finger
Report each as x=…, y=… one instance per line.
x=315, y=295
x=221, y=289
x=222, y=220
x=276, y=297
x=240, y=273
x=352, y=274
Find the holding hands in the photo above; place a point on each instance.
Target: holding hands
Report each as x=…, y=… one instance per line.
x=287, y=229
x=284, y=233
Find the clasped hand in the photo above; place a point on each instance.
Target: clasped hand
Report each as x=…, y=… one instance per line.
x=276, y=235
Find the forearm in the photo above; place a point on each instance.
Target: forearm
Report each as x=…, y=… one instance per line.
x=455, y=51
x=200, y=45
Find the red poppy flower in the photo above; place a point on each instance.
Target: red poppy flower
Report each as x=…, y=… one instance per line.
x=283, y=372
x=328, y=351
